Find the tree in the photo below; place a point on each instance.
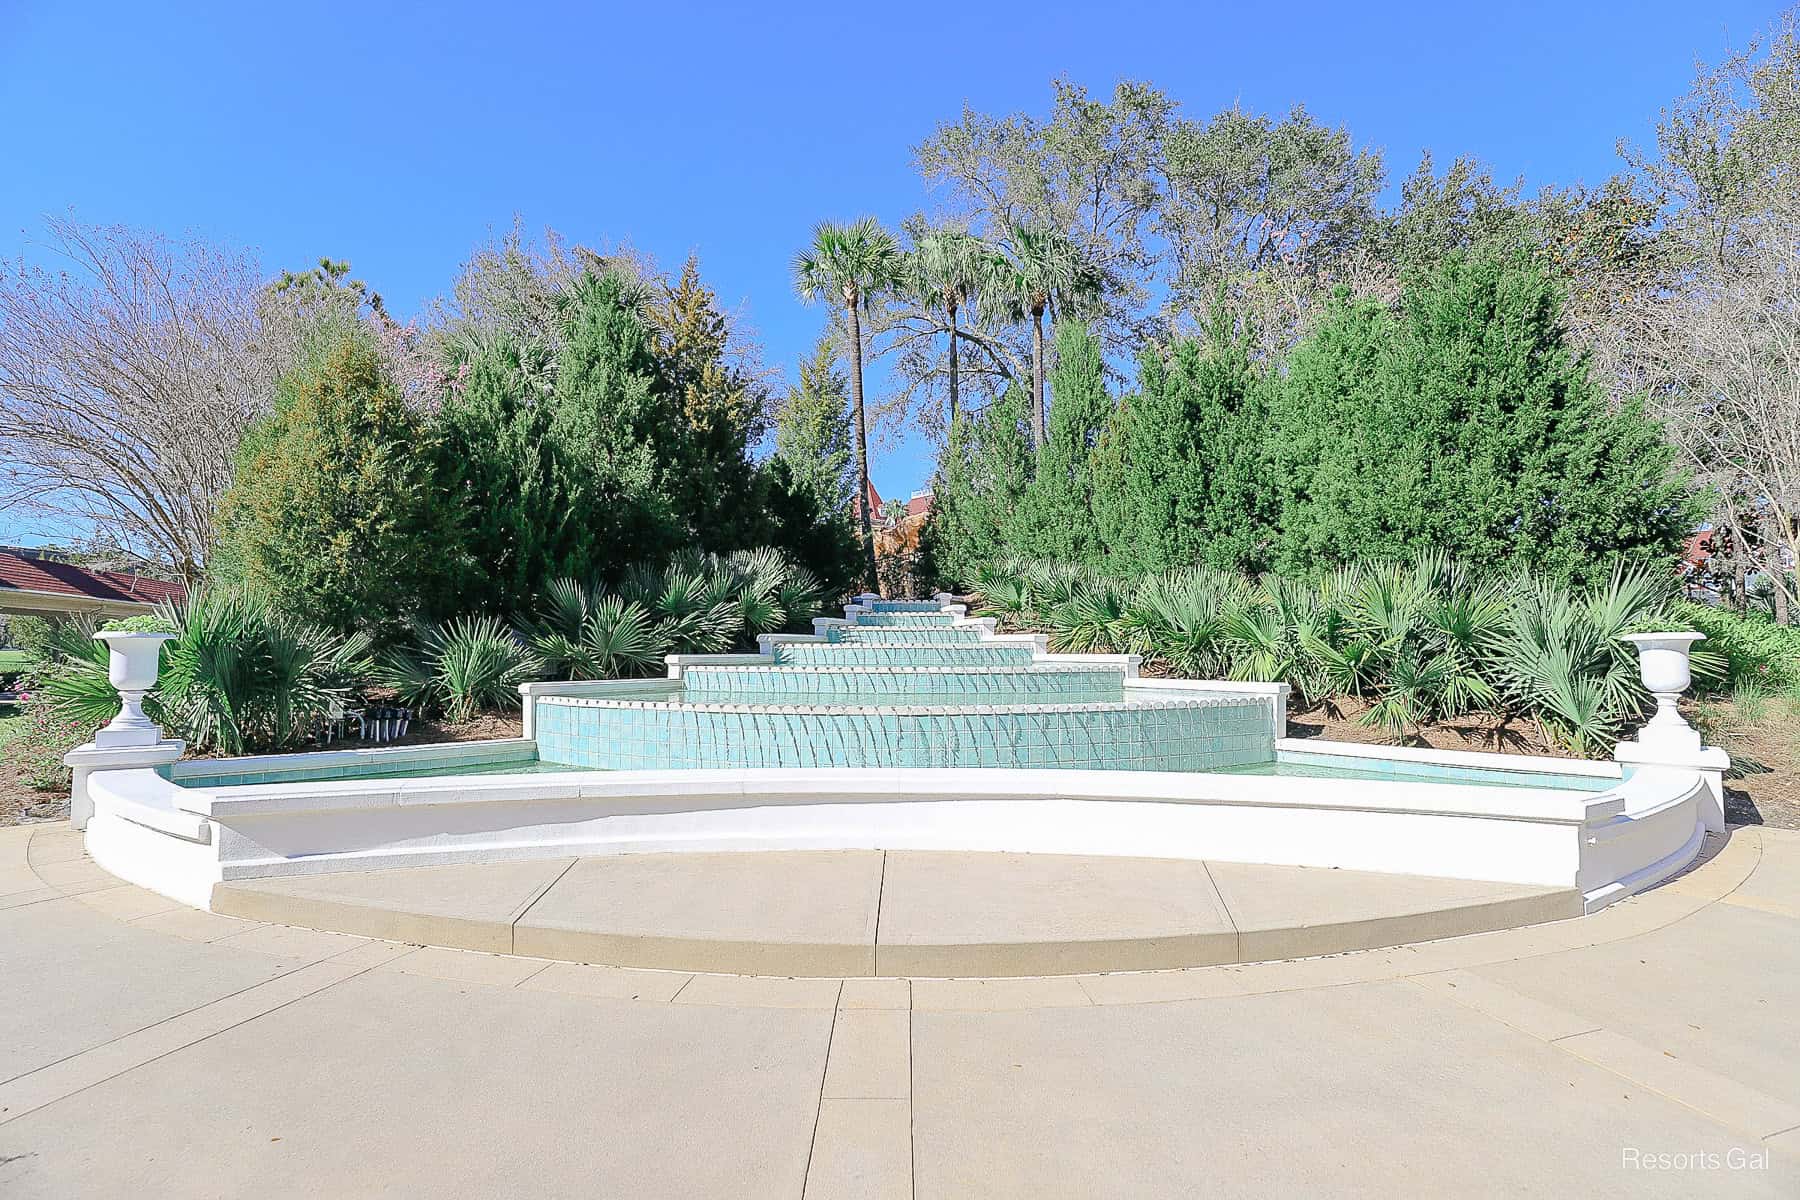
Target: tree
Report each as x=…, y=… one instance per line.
x=498, y=467
x=1179, y=474
x=979, y=490
x=617, y=432
x=1038, y=271
x=1725, y=352
x=1165, y=209
x=945, y=271
x=611, y=426
x=1466, y=424
x=1243, y=192
x=818, y=537
x=852, y=264
x=518, y=287
x=128, y=375
x=723, y=409
x=335, y=513
x=1090, y=171
x=327, y=288
x=1719, y=343
x=1057, y=516
x=812, y=431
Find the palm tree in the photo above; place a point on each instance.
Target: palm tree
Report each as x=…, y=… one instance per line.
x=947, y=269
x=1041, y=270
x=852, y=263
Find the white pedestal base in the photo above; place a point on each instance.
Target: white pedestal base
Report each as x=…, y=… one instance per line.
x=1710, y=761
x=88, y=758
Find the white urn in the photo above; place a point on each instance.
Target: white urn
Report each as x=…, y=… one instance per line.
x=131, y=668
x=1666, y=673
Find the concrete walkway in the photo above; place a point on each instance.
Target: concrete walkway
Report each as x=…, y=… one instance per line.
x=148, y=1050
x=895, y=912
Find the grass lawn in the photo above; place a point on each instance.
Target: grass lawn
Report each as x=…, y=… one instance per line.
x=11, y=660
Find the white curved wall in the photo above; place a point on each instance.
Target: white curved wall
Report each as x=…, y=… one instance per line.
x=181, y=840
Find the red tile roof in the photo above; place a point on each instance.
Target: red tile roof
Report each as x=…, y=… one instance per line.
x=23, y=573
x=1696, y=552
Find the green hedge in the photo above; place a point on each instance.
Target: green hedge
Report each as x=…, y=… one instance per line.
x=1756, y=649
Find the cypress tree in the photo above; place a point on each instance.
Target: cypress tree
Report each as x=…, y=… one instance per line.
x=1179, y=474
x=1057, y=517
x=336, y=511
x=983, y=473
x=1468, y=424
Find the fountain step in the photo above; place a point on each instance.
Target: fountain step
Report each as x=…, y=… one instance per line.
x=902, y=654
x=1165, y=732
x=993, y=684
x=895, y=912
x=903, y=620
x=929, y=633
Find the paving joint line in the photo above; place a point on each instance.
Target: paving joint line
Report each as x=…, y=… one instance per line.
x=163, y=1021
x=875, y=946
x=519, y=914
x=812, y=1143
x=524, y=979
x=356, y=974
x=912, y=1093
x=1237, y=935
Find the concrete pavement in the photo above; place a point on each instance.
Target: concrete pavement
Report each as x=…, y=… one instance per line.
x=148, y=1051
x=893, y=912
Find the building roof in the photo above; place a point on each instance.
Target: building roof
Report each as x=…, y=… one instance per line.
x=34, y=573
x=1696, y=551
x=918, y=506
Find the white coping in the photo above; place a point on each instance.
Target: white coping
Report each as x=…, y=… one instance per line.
x=181, y=840
x=1047, y=666
x=1200, y=698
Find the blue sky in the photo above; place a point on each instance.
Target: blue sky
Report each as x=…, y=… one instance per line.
x=400, y=137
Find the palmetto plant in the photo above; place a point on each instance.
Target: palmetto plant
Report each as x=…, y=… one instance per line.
x=851, y=265
x=1415, y=639
x=695, y=609
x=1089, y=620
x=582, y=633
x=694, y=604
x=1001, y=593
x=1049, y=585
x=1419, y=642
x=238, y=677
x=460, y=667
x=1267, y=637
x=1179, y=619
x=1562, y=657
